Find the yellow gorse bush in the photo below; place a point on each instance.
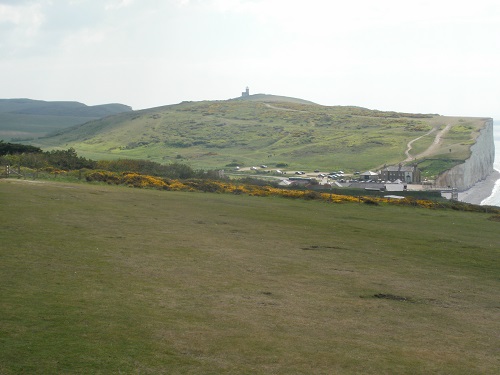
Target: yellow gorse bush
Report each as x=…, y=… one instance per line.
x=145, y=181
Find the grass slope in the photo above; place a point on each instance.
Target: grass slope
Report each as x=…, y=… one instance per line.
x=99, y=279
x=25, y=119
x=261, y=129
x=27, y=127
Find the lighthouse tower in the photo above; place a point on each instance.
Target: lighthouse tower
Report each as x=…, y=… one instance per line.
x=245, y=93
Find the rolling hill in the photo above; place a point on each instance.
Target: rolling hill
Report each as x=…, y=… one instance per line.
x=22, y=119
x=271, y=130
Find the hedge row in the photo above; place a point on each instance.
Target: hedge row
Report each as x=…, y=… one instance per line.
x=145, y=181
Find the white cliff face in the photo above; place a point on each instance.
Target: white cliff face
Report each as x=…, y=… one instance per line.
x=477, y=167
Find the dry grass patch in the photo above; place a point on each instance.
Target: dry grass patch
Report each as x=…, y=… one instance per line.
x=98, y=279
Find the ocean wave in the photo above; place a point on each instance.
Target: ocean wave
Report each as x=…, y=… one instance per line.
x=494, y=198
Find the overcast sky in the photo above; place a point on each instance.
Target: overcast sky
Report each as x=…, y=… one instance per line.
x=435, y=56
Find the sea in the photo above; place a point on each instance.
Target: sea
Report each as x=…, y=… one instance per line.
x=494, y=198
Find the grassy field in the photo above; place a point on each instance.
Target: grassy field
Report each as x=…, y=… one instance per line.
x=99, y=279
x=263, y=130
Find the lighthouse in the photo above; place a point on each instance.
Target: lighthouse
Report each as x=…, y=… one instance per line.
x=245, y=93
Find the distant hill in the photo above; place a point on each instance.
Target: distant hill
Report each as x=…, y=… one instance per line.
x=271, y=130
x=27, y=118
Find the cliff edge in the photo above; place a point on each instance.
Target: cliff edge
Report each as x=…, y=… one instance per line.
x=478, y=167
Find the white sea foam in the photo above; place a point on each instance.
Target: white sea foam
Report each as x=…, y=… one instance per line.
x=494, y=198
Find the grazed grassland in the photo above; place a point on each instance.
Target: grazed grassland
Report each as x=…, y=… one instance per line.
x=100, y=279
x=213, y=134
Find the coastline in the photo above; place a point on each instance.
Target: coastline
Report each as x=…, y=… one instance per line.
x=480, y=190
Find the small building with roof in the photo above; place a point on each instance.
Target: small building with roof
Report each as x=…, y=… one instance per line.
x=369, y=176
x=407, y=174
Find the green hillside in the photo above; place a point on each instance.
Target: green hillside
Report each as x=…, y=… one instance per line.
x=22, y=119
x=99, y=279
x=265, y=129
x=273, y=98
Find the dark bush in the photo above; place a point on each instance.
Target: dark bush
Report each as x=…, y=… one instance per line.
x=15, y=148
x=311, y=195
x=68, y=160
x=370, y=202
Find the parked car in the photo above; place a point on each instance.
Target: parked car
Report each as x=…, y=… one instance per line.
x=263, y=166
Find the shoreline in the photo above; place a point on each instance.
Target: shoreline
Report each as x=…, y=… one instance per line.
x=480, y=190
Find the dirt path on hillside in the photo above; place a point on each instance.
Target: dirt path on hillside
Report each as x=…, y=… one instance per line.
x=431, y=149
x=284, y=109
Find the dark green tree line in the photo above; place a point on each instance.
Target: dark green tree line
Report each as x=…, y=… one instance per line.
x=33, y=157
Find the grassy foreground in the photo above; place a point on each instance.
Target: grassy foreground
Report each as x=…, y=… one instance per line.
x=101, y=279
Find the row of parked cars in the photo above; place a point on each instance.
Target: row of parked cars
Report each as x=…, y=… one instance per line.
x=255, y=168
x=333, y=175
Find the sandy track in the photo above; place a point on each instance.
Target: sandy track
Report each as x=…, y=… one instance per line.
x=431, y=149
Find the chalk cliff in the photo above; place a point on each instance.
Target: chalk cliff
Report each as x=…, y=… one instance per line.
x=477, y=167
